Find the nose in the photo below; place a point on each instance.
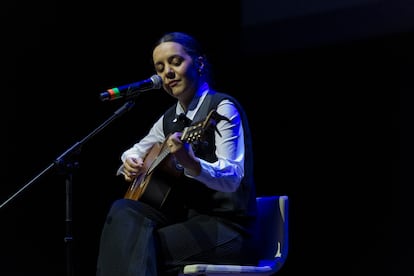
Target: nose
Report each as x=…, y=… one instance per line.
x=170, y=73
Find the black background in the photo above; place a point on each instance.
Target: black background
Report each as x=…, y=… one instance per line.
x=328, y=96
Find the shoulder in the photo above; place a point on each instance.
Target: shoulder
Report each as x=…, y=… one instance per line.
x=219, y=97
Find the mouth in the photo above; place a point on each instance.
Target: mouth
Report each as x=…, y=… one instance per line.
x=172, y=84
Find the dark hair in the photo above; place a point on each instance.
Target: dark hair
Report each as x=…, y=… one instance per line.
x=191, y=46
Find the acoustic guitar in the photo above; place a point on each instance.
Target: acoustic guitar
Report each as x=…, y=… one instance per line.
x=161, y=172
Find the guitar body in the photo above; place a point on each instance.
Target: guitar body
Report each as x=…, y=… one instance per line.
x=159, y=184
x=155, y=185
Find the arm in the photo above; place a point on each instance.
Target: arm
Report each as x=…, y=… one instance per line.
x=226, y=173
x=133, y=157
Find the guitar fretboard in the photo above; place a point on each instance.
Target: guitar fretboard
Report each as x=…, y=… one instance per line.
x=158, y=160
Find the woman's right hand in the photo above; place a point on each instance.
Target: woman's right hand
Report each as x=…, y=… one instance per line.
x=132, y=168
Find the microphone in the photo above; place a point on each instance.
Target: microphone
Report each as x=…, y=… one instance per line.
x=132, y=90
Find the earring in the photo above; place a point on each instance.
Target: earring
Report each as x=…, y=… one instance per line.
x=200, y=69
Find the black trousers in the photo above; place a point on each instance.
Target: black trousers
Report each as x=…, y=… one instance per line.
x=137, y=240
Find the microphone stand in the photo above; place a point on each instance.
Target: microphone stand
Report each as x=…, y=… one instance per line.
x=66, y=163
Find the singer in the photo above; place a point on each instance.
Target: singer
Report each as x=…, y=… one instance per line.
x=209, y=204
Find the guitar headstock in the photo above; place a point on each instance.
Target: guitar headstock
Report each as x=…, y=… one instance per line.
x=196, y=131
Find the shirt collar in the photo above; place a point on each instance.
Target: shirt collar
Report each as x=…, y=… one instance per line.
x=195, y=102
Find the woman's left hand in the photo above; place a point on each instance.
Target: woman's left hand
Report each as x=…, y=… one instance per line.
x=183, y=153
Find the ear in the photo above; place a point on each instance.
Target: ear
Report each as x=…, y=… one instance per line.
x=200, y=64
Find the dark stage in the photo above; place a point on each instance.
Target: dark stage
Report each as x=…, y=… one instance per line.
x=328, y=91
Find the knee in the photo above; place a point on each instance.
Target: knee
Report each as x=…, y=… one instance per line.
x=118, y=208
x=119, y=204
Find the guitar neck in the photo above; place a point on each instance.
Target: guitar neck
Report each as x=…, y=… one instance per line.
x=161, y=156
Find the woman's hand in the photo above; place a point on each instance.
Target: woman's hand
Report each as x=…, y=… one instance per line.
x=132, y=168
x=184, y=154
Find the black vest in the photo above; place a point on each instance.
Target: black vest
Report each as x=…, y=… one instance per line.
x=236, y=206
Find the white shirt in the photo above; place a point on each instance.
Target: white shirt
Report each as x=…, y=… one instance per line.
x=226, y=173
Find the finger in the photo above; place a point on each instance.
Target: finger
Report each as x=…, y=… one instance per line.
x=127, y=178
